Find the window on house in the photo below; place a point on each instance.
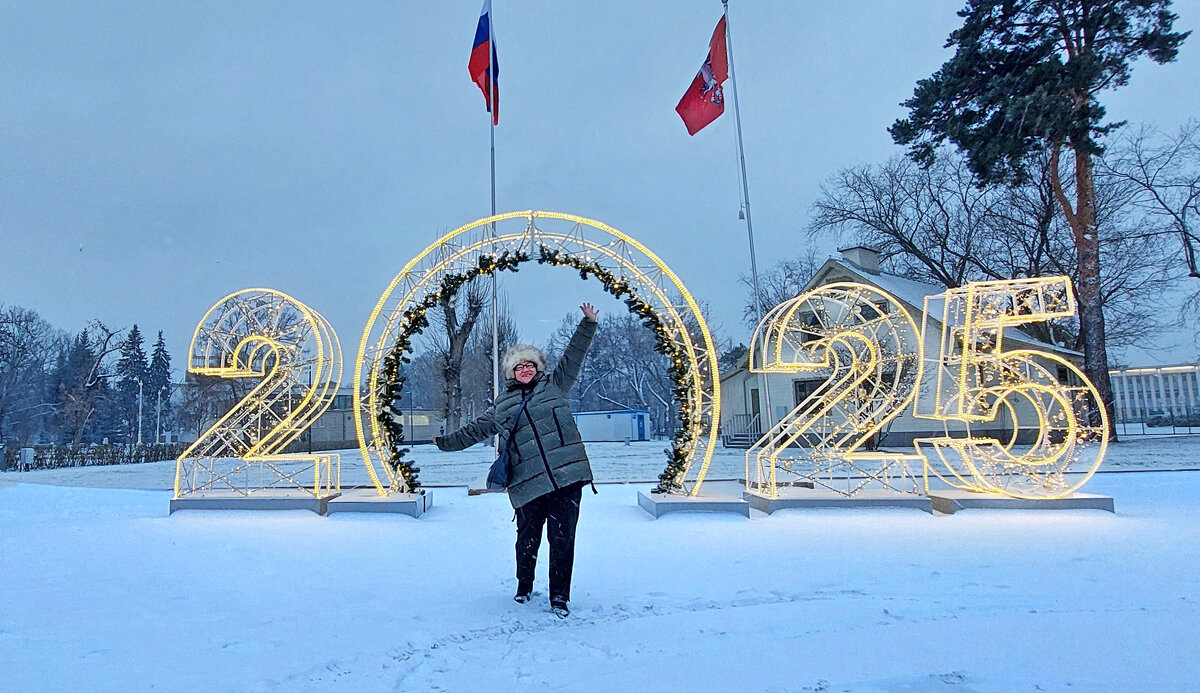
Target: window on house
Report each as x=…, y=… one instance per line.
x=810, y=322
x=801, y=389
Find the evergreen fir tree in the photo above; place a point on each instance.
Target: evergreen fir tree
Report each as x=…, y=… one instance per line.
x=158, y=388
x=59, y=384
x=80, y=396
x=131, y=371
x=1026, y=78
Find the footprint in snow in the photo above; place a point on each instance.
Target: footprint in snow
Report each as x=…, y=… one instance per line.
x=952, y=678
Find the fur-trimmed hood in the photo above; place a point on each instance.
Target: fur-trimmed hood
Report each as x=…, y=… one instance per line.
x=522, y=352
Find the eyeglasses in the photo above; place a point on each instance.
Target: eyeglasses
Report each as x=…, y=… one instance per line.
x=525, y=366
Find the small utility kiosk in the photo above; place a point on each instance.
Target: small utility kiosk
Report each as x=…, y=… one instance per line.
x=617, y=425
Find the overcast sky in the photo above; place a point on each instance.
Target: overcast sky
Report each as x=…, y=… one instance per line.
x=157, y=156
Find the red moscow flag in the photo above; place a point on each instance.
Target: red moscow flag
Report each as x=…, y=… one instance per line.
x=483, y=56
x=704, y=101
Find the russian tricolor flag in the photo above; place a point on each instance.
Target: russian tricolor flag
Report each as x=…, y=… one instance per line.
x=483, y=57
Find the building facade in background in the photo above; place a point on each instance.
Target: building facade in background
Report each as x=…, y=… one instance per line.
x=1157, y=396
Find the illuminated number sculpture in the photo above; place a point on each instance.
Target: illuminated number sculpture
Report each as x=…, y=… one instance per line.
x=1043, y=409
x=292, y=362
x=626, y=268
x=865, y=347
x=1015, y=422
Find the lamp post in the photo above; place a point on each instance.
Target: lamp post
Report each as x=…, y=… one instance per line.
x=158, y=414
x=139, y=440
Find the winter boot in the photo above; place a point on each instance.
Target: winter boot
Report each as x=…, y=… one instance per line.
x=559, y=608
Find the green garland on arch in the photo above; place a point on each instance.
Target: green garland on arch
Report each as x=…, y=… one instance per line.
x=679, y=368
x=414, y=322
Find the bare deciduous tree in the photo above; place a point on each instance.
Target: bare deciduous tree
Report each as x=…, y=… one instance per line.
x=925, y=220
x=1028, y=237
x=622, y=370
x=1165, y=172
x=783, y=281
x=477, y=361
x=28, y=345
x=1006, y=230
x=472, y=298
x=85, y=394
x=205, y=398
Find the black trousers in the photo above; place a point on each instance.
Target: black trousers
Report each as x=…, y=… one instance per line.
x=559, y=509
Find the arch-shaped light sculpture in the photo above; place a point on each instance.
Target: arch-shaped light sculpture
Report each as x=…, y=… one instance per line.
x=502, y=241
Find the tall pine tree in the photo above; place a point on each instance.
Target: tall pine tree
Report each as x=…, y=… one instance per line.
x=1026, y=77
x=131, y=375
x=158, y=388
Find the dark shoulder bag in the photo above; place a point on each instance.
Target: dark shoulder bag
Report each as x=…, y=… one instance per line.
x=498, y=475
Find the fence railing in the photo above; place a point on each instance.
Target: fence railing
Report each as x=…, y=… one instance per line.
x=58, y=456
x=740, y=430
x=742, y=424
x=1139, y=428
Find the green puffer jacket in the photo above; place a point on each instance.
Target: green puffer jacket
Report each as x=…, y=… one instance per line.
x=550, y=451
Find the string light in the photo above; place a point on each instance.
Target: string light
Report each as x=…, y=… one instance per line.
x=263, y=334
x=871, y=368
x=593, y=249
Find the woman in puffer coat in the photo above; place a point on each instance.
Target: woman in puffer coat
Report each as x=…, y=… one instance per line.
x=550, y=466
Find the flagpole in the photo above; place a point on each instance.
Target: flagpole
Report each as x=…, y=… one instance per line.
x=737, y=117
x=495, y=316
x=492, y=124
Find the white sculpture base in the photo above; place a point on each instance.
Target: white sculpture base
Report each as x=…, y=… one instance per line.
x=949, y=501
x=790, y=497
x=659, y=504
x=368, y=500
x=267, y=499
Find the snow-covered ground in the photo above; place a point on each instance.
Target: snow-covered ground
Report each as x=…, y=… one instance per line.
x=103, y=591
x=642, y=461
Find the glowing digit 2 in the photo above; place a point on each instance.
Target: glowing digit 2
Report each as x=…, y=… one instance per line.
x=866, y=345
x=271, y=337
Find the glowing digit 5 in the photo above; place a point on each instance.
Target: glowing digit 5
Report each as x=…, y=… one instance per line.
x=1054, y=419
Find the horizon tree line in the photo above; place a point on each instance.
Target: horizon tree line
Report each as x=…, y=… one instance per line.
x=80, y=389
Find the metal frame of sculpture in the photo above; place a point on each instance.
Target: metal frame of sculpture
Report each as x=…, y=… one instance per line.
x=874, y=360
x=861, y=339
x=265, y=336
x=525, y=234
x=978, y=383
x=867, y=347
